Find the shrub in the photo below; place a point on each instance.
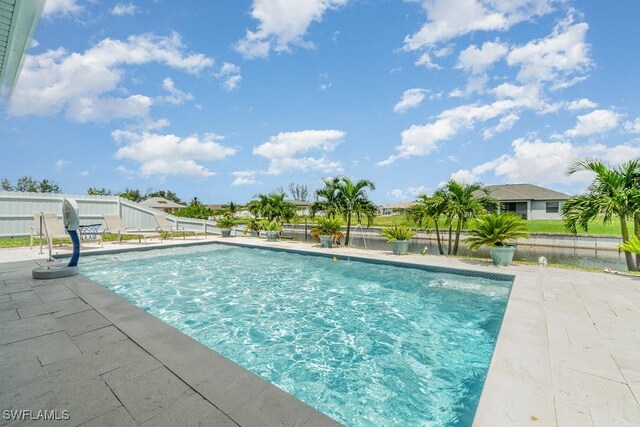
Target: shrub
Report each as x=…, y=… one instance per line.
x=496, y=230
x=397, y=232
x=225, y=222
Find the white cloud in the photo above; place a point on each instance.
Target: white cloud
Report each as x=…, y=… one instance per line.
x=464, y=176
x=475, y=60
x=581, y=104
x=84, y=173
x=246, y=177
x=62, y=163
x=122, y=9
x=597, y=121
x=452, y=18
x=87, y=109
x=80, y=83
x=555, y=58
x=503, y=125
x=426, y=61
x=282, y=24
x=230, y=75
x=60, y=8
x=414, y=191
x=170, y=154
x=411, y=98
x=398, y=194
x=539, y=162
x=176, y=96
x=282, y=151
x=421, y=140
x=633, y=127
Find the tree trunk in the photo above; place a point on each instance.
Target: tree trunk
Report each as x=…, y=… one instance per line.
x=628, y=256
x=458, y=228
x=450, y=236
x=346, y=240
x=438, y=237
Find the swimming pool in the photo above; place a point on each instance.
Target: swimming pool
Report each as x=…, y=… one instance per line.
x=366, y=344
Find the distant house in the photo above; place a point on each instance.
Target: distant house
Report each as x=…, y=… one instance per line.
x=302, y=207
x=527, y=200
x=394, y=209
x=162, y=204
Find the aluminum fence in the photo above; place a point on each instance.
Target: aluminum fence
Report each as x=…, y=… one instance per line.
x=17, y=210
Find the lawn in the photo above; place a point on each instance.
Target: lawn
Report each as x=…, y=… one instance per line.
x=14, y=242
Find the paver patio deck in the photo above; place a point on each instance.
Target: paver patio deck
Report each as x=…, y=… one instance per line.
x=568, y=353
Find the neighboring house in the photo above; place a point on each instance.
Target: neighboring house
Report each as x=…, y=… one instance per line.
x=527, y=200
x=162, y=204
x=394, y=209
x=302, y=207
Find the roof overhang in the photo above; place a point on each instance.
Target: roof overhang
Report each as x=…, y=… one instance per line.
x=18, y=22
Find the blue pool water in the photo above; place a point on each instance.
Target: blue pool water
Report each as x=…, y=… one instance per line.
x=366, y=344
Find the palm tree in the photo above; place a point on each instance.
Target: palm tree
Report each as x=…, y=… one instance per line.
x=274, y=207
x=326, y=199
x=343, y=196
x=614, y=193
x=430, y=208
x=461, y=203
x=231, y=209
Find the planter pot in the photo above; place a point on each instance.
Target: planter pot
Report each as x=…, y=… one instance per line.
x=326, y=241
x=502, y=255
x=272, y=236
x=400, y=247
x=226, y=232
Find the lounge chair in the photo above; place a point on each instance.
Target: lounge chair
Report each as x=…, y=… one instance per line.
x=51, y=227
x=113, y=225
x=165, y=227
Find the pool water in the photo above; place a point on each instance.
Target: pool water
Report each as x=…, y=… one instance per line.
x=366, y=344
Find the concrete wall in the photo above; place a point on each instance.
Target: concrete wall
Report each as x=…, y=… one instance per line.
x=538, y=210
x=16, y=212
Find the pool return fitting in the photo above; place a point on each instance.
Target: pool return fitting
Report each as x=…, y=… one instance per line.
x=71, y=220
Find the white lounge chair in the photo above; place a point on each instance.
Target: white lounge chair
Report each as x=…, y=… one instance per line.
x=51, y=227
x=113, y=225
x=165, y=227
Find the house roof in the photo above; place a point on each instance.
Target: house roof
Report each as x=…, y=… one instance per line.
x=522, y=192
x=400, y=205
x=160, y=203
x=18, y=22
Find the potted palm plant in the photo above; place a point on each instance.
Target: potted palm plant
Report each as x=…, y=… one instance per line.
x=328, y=230
x=225, y=224
x=253, y=228
x=399, y=236
x=272, y=230
x=496, y=231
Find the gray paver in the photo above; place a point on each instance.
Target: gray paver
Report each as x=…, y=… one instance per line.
x=26, y=298
x=99, y=339
x=54, y=292
x=79, y=323
x=8, y=315
x=22, y=329
x=18, y=373
x=192, y=411
x=56, y=308
x=48, y=348
x=148, y=394
x=119, y=417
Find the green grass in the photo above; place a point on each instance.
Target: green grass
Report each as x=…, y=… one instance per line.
x=16, y=242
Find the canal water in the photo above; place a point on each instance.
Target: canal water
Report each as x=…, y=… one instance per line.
x=596, y=252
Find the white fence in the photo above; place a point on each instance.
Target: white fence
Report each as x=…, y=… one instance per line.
x=17, y=209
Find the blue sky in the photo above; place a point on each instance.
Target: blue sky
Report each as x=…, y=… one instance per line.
x=223, y=100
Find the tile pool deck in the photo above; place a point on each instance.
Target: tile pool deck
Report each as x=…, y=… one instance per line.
x=568, y=352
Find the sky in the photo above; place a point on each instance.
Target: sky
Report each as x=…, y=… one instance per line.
x=226, y=99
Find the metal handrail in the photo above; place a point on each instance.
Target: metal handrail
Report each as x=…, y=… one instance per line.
x=49, y=242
